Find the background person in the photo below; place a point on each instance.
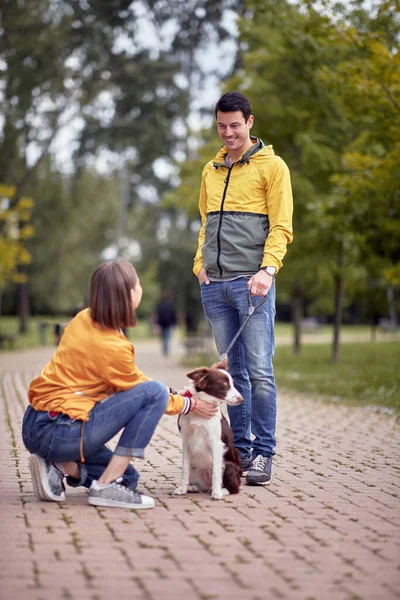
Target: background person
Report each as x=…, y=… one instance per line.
x=166, y=319
x=89, y=391
x=246, y=211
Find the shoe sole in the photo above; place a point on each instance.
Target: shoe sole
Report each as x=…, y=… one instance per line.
x=115, y=504
x=254, y=483
x=39, y=476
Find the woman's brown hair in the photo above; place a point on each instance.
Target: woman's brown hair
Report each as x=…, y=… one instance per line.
x=110, y=294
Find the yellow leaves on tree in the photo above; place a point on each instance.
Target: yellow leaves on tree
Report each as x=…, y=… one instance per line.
x=15, y=229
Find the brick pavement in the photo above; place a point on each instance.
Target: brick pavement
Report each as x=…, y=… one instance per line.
x=326, y=528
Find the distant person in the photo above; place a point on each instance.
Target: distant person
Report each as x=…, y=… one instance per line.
x=246, y=211
x=58, y=330
x=166, y=320
x=89, y=391
x=78, y=309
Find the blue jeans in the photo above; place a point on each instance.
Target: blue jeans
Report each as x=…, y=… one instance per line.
x=165, y=338
x=57, y=439
x=226, y=306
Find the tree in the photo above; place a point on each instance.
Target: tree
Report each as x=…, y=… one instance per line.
x=90, y=60
x=320, y=90
x=285, y=46
x=15, y=230
x=368, y=89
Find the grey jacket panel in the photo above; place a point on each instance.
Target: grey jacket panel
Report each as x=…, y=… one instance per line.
x=241, y=243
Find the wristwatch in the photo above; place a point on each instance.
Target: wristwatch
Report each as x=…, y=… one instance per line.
x=270, y=270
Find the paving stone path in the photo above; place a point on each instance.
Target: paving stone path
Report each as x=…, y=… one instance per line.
x=326, y=528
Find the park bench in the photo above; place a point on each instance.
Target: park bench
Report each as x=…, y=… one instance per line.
x=7, y=340
x=310, y=324
x=387, y=325
x=199, y=346
x=57, y=329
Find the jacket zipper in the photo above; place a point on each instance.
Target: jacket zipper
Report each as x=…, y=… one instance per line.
x=220, y=219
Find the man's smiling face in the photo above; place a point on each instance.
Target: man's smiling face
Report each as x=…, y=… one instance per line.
x=234, y=131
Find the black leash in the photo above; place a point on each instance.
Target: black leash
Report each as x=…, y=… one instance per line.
x=243, y=325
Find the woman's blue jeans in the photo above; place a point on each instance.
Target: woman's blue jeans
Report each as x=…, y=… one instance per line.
x=57, y=439
x=226, y=306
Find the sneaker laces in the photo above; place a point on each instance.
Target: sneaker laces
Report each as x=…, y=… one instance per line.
x=260, y=462
x=121, y=484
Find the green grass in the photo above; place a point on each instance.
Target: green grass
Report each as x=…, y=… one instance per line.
x=31, y=339
x=368, y=374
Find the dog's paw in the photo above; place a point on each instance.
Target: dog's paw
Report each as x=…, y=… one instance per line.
x=225, y=492
x=180, y=491
x=192, y=488
x=217, y=495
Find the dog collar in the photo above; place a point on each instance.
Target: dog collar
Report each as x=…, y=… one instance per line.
x=187, y=394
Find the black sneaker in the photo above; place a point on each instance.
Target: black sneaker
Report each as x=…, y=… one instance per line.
x=245, y=463
x=47, y=479
x=260, y=471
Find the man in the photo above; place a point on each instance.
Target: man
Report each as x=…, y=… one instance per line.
x=246, y=210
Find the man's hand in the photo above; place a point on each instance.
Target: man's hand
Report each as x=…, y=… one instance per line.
x=204, y=409
x=203, y=277
x=260, y=283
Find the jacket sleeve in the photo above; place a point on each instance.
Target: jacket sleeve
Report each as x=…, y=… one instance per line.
x=280, y=212
x=198, y=259
x=175, y=405
x=122, y=374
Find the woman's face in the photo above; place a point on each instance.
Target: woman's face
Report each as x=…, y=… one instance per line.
x=136, y=295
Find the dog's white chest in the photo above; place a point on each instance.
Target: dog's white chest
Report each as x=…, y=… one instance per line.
x=199, y=437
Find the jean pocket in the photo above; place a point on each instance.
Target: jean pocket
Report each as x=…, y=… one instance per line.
x=35, y=423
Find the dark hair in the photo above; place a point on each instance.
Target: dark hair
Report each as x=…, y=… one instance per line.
x=233, y=101
x=110, y=294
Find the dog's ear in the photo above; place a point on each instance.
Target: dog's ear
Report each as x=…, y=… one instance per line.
x=222, y=364
x=199, y=377
x=197, y=374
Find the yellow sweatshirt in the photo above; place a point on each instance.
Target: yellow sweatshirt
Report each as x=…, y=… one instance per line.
x=90, y=364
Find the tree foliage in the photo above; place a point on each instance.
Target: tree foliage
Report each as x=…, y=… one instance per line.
x=323, y=79
x=15, y=230
x=120, y=74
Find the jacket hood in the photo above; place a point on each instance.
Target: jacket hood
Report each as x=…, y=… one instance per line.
x=258, y=146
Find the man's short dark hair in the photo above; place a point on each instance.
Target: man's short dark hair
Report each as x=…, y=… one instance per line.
x=233, y=101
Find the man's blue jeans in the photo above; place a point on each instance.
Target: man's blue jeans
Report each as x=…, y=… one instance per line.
x=226, y=306
x=137, y=411
x=166, y=334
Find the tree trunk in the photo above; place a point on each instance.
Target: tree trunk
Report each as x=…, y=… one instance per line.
x=23, y=306
x=339, y=289
x=391, y=307
x=297, y=314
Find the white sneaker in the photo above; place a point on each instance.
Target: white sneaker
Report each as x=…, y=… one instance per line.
x=117, y=495
x=47, y=479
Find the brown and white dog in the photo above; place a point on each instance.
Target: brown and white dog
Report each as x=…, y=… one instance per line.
x=209, y=459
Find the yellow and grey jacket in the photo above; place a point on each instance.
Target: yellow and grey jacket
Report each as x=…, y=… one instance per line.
x=246, y=213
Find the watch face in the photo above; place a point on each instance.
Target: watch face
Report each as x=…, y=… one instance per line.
x=271, y=270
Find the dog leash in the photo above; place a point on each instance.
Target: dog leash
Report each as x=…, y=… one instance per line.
x=252, y=309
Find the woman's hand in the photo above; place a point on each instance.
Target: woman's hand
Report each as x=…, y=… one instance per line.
x=203, y=408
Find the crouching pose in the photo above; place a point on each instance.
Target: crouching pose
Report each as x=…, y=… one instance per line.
x=88, y=392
